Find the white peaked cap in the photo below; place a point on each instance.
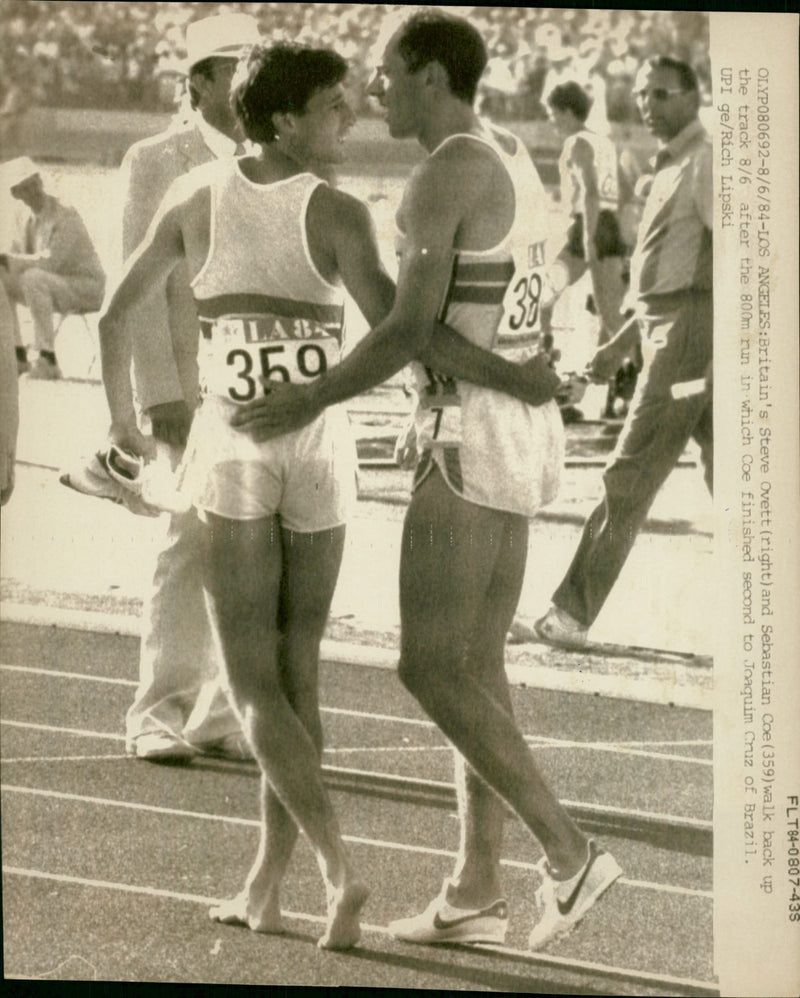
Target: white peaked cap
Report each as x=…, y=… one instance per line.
x=221, y=36
x=15, y=171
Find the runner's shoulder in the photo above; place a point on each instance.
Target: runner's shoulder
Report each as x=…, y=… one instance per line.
x=460, y=168
x=337, y=209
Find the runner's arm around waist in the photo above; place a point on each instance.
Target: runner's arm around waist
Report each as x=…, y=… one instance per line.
x=446, y=351
x=397, y=339
x=411, y=331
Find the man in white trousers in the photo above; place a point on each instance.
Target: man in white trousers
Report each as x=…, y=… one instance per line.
x=180, y=708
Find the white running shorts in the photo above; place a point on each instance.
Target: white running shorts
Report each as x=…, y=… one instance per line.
x=307, y=478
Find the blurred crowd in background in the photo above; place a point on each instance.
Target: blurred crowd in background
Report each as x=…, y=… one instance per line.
x=126, y=56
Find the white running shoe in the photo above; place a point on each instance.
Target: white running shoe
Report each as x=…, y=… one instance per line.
x=557, y=627
x=441, y=922
x=563, y=903
x=92, y=479
x=152, y=481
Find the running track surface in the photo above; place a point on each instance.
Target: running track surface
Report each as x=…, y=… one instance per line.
x=109, y=864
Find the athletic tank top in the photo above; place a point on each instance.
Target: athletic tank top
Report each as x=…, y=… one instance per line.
x=605, y=163
x=493, y=449
x=265, y=311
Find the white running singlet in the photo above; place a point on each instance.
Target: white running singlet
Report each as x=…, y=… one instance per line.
x=265, y=312
x=492, y=449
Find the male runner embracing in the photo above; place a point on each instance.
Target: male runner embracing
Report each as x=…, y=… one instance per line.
x=472, y=228
x=268, y=246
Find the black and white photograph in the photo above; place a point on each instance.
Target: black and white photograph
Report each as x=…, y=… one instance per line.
x=399, y=473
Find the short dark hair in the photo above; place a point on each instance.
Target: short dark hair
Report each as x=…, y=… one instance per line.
x=571, y=97
x=683, y=70
x=436, y=36
x=279, y=79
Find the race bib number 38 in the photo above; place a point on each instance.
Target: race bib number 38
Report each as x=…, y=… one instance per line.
x=521, y=323
x=234, y=362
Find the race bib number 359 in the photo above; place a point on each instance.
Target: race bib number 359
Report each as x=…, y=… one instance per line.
x=236, y=369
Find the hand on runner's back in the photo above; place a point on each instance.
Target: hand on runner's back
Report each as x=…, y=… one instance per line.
x=285, y=407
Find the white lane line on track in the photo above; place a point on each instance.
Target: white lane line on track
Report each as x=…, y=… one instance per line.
x=617, y=748
x=541, y=741
x=681, y=691
x=78, y=732
x=60, y=674
x=532, y=739
x=66, y=758
x=381, y=930
x=355, y=839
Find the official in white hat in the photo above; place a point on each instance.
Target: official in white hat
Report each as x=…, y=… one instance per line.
x=220, y=36
x=16, y=171
x=179, y=709
x=213, y=47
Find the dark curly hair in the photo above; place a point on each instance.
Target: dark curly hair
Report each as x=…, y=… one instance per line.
x=280, y=78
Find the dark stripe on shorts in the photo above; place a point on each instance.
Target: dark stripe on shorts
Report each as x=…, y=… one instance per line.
x=452, y=466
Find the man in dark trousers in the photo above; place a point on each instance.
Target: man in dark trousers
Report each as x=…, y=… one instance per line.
x=671, y=272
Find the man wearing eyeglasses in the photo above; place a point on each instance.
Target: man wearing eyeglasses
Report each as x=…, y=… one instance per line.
x=671, y=298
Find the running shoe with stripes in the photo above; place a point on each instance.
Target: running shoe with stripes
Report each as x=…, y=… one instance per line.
x=441, y=922
x=563, y=903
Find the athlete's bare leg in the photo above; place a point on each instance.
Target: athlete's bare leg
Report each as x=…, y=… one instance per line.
x=310, y=569
x=270, y=682
x=451, y=552
x=476, y=881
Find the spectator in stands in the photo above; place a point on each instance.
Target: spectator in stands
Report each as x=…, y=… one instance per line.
x=52, y=265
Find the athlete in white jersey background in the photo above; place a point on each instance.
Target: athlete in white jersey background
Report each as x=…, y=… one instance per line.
x=589, y=171
x=267, y=245
x=469, y=255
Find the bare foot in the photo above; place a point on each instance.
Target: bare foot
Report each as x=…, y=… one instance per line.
x=344, y=906
x=241, y=911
